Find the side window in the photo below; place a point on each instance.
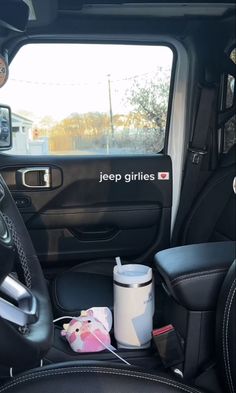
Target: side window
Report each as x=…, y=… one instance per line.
x=229, y=131
x=85, y=99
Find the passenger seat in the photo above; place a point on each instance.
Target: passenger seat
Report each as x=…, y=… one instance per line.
x=212, y=218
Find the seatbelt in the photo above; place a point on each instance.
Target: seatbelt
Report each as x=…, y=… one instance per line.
x=196, y=152
x=170, y=348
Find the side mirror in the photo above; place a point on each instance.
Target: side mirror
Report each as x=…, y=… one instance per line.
x=5, y=128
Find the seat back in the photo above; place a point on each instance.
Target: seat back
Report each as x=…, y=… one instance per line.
x=226, y=331
x=212, y=217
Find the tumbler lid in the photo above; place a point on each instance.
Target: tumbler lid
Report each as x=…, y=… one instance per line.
x=132, y=274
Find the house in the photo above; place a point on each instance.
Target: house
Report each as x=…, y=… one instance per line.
x=23, y=142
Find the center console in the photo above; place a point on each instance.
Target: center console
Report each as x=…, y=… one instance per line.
x=191, y=277
x=188, y=281
x=61, y=352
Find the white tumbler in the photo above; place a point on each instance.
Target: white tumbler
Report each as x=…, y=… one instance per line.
x=133, y=305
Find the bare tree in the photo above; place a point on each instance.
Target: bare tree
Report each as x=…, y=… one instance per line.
x=149, y=98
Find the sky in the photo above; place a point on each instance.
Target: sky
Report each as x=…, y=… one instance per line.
x=59, y=79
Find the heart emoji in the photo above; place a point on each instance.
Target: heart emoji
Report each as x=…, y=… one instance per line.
x=163, y=175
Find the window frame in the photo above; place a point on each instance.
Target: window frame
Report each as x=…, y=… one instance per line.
x=223, y=97
x=144, y=41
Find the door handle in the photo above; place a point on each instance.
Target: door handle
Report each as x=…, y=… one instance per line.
x=35, y=177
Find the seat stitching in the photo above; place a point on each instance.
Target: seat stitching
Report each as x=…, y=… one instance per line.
x=223, y=331
x=101, y=371
x=167, y=382
x=225, y=336
x=196, y=278
x=225, y=352
x=227, y=341
x=198, y=274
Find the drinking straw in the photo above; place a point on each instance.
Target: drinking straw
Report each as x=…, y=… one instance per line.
x=119, y=265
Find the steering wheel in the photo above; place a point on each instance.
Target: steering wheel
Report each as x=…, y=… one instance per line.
x=26, y=327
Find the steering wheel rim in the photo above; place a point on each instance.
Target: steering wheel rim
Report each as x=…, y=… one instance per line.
x=22, y=348
x=6, y=249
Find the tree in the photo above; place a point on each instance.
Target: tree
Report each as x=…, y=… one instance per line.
x=76, y=132
x=45, y=125
x=148, y=99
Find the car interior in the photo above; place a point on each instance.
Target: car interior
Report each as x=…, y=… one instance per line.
x=144, y=174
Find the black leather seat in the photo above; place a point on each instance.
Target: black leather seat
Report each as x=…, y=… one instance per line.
x=72, y=378
x=70, y=291
x=102, y=378
x=215, y=206
x=87, y=285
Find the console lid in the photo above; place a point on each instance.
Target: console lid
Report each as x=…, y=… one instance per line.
x=193, y=274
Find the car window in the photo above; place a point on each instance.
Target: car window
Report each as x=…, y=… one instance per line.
x=89, y=99
x=230, y=126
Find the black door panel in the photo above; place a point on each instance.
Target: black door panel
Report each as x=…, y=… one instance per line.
x=123, y=217
x=61, y=245
x=79, y=217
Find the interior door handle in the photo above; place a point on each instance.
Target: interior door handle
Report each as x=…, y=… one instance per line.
x=35, y=177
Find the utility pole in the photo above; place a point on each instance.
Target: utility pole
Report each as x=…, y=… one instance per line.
x=110, y=107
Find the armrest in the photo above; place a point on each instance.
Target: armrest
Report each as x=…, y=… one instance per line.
x=194, y=274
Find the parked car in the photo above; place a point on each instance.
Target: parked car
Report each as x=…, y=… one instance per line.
x=4, y=130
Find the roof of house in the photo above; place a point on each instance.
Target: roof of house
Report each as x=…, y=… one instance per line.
x=21, y=119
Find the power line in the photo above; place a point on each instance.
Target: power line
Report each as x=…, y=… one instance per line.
x=72, y=84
